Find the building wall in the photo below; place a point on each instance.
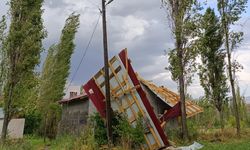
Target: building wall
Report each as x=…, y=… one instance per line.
x=74, y=116
x=158, y=105
x=92, y=108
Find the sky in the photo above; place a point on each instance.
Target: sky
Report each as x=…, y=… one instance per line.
x=138, y=25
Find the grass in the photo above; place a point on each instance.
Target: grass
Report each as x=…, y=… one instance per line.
x=212, y=140
x=241, y=144
x=226, y=141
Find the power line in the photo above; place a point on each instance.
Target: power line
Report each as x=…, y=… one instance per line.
x=85, y=52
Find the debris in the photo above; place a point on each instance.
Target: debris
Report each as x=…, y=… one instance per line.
x=194, y=146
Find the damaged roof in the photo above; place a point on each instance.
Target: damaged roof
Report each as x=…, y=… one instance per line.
x=171, y=98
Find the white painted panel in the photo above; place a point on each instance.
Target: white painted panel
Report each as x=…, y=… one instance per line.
x=15, y=128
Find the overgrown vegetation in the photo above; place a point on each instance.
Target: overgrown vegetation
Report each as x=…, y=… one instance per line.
x=125, y=135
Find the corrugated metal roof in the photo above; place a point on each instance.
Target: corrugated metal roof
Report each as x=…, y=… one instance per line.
x=75, y=98
x=171, y=98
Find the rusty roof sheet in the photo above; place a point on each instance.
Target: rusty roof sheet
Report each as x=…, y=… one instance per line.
x=171, y=98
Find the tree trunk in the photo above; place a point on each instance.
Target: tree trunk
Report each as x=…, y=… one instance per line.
x=178, y=21
x=221, y=120
x=235, y=107
x=7, y=113
x=182, y=97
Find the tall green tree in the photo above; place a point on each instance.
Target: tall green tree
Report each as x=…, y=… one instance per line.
x=55, y=73
x=24, y=45
x=57, y=64
x=230, y=12
x=212, y=70
x=183, y=16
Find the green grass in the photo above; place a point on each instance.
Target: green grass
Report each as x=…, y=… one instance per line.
x=242, y=144
x=229, y=142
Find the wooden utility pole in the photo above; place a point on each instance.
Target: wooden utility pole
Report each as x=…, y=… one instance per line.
x=106, y=70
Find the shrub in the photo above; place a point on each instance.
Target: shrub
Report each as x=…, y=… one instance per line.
x=131, y=137
x=99, y=129
x=123, y=133
x=32, y=122
x=51, y=118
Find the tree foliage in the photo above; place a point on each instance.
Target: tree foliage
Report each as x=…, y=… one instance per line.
x=57, y=65
x=212, y=70
x=184, y=25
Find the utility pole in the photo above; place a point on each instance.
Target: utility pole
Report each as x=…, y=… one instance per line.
x=106, y=70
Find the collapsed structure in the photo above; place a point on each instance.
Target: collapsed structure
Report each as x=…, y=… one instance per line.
x=132, y=95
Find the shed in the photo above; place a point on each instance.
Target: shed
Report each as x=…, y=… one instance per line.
x=75, y=113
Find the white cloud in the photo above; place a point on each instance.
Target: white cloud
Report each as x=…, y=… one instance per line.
x=134, y=27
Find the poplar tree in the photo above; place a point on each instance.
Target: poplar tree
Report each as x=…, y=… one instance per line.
x=57, y=65
x=54, y=75
x=212, y=70
x=230, y=12
x=183, y=15
x=24, y=45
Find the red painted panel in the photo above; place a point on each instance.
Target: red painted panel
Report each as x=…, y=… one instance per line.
x=96, y=96
x=131, y=73
x=172, y=113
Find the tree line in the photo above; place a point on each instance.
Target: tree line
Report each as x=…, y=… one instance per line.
x=211, y=38
x=25, y=91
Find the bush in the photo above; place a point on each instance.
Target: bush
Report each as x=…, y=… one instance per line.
x=51, y=118
x=123, y=133
x=100, y=134
x=130, y=137
x=32, y=122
